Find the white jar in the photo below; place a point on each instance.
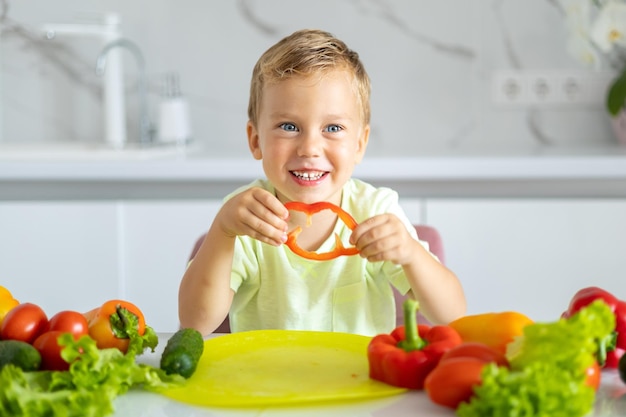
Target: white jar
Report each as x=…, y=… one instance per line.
x=174, y=122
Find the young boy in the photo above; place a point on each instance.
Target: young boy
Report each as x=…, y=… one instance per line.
x=309, y=116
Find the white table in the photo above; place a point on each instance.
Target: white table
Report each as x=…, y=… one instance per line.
x=610, y=402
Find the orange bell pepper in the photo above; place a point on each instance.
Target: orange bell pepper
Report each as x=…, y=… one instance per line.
x=115, y=324
x=7, y=302
x=309, y=210
x=493, y=329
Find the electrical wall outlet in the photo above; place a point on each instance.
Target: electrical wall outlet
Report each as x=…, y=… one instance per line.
x=543, y=88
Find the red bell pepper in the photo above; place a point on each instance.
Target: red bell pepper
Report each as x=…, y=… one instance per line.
x=403, y=358
x=309, y=210
x=611, y=350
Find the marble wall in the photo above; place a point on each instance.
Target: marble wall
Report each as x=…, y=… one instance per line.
x=431, y=64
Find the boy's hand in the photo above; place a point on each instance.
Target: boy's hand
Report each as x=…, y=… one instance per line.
x=256, y=213
x=384, y=238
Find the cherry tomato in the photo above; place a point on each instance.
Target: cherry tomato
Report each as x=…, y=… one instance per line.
x=476, y=350
x=69, y=321
x=453, y=381
x=48, y=346
x=24, y=322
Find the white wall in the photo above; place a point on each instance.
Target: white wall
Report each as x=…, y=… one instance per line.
x=431, y=63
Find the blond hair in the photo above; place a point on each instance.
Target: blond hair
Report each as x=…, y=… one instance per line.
x=303, y=53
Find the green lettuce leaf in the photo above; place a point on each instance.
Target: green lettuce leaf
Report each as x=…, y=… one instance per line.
x=570, y=343
x=95, y=378
x=29, y=394
x=125, y=324
x=538, y=390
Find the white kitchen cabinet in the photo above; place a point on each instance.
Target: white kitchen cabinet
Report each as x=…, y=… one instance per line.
x=159, y=236
x=76, y=255
x=59, y=255
x=532, y=255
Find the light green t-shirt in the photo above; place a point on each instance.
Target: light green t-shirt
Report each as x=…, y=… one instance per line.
x=277, y=289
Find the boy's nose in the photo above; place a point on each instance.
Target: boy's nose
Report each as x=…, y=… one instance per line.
x=310, y=144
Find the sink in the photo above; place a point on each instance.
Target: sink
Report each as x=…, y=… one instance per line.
x=66, y=151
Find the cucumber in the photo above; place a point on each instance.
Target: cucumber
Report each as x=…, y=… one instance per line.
x=182, y=352
x=21, y=354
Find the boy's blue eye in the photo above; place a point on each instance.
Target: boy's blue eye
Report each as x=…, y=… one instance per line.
x=290, y=127
x=333, y=128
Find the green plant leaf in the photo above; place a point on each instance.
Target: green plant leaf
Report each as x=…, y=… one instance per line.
x=616, y=98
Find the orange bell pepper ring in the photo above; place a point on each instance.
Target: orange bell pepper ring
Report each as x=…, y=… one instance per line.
x=309, y=210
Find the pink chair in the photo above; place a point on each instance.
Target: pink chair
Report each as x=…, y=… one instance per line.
x=431, y=235
x=425, y=233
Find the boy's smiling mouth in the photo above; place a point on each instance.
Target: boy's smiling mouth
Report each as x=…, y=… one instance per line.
x=309, y=175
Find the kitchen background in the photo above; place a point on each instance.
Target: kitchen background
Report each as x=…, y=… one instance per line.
x=432, y=63
x=440, y=72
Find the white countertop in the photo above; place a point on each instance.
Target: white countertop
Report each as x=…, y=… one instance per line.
x=526, y=172
x=610, y=402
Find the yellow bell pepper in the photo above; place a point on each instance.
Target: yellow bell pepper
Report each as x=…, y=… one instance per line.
x=7, y=302
x=493, y=329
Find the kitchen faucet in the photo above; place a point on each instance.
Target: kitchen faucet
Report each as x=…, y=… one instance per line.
x=145, y=126
x=107, y=30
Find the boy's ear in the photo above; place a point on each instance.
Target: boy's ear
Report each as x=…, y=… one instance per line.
x=253, y=141
x=362, y=144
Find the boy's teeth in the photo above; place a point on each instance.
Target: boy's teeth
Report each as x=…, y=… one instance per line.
x=308, y=175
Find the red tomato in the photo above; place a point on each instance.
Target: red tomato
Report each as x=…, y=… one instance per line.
x=24, y=322
x=69, y=321
x=476, y=350
x=453, y=381
x=50, y=350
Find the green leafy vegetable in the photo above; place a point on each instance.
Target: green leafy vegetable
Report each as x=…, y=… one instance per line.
x=95, y=378
x=567, y=343
x=125, y=324
x=547, y=374
x=539, y=390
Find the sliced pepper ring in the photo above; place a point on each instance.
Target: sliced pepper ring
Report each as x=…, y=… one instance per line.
x=309, y=210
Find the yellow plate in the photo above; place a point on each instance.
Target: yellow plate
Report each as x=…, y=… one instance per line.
x=281, y=367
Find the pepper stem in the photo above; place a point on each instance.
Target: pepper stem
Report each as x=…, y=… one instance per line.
x=605, y=345
x=412, y=339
